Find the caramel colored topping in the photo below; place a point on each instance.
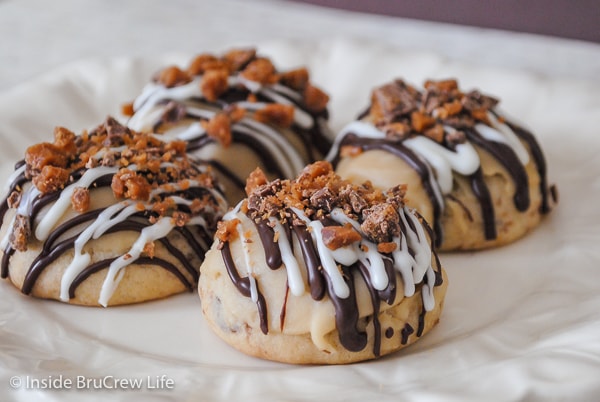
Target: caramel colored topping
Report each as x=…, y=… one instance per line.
x=20, y=233
x=315, y=99
x=226, y=230
x=127, y=109
x=64, y=140
x=335, y=237
x=239, y=58
x=317, y=191
x=180, y=218
x=256, y=179
x=436, y=133
x=14, y=199
x=219, y=128
x=43, y=154
x=260, y=70
x=350, y=150
x=80, y=199
x=381, y=222
x=295, y=79
x=128, y=184
x=149, y=249
x=420, y=121
x=214, y=84
x=401, y=111
x=51, y=179
x=276, y=114
x=173, y=76
x=386, y=248
x=202, y=63
x=215, y=72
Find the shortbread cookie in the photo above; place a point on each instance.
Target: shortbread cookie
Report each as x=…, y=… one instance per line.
x=107, y=217
x=238, y=112
x=317, y=270
x=476, y=176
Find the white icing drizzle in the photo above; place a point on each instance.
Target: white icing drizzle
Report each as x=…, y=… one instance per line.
x=463, y=159
x=80, y=259
x=412, y=269
x=295, y=280
x=246, y=248
x=501, y=132
x=328, y=261
x=57, y=210
x=148, y=109
x=13, y=177
x=109, y=217
x=115, y=271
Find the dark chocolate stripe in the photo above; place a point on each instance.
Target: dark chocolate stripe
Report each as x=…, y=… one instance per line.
x=312, y=262
x=485, y=201
x=243, y=286
x=540, y=162
x=267, y=238
x=346, y=314
x=507, y=158
x=100, y=265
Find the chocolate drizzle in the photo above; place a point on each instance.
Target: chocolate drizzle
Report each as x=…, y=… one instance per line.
x=349, y=236
x=438, y=120
x=244, y=287
x=278, y=116
x=396, y=148
x=179, y=188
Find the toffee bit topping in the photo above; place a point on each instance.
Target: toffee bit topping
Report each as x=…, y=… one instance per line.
x=20, y=233
x=276, y=114
x=127, y=109
x=180, y=218
x=173, y=76
x=51, y=179
x=219, y=128
x=128, y=184
x=256, y=179
x=149, y=249
x=295, y=79
x=80, y=200
x=260, y=70
x=401, y=111
x=387, y=248
x=204, y=62
x=315, y=99
x=158, y=164
x=239, y=58
x=215, y=72
x=381, y=222
x=214, y=84
x=335, y=237
x=226, y=230
x=317, y=191
x=14, y=199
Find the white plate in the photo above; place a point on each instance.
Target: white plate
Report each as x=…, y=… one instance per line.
x=521, y=322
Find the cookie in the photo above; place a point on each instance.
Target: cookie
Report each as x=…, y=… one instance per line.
x=107, y=217
x=237, y=112
x=317, y=270
x=478, y=177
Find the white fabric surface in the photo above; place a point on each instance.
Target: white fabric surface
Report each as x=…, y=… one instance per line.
x=521, y=322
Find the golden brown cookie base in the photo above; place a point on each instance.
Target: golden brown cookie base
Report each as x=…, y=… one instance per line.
x=462, y=221
x=247, y=337
x=141, y=282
